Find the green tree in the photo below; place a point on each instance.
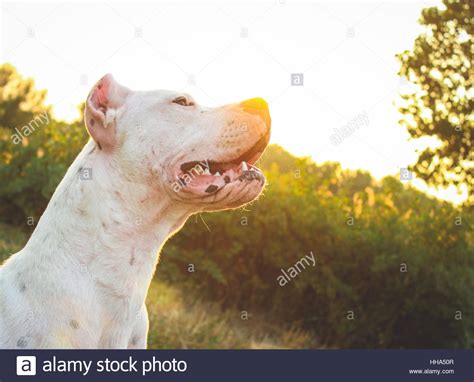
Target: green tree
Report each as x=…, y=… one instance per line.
x=440, y=65
x=20, y=101
x=35, y=149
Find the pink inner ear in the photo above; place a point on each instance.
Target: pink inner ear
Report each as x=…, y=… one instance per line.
x=106, y=94
x=100, y=97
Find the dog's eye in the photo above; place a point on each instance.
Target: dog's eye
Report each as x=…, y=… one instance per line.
x=182, y=101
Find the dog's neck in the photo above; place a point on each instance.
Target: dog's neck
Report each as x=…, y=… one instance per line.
x=105, y=228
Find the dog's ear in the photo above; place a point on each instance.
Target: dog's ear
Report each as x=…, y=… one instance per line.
x=104, y=99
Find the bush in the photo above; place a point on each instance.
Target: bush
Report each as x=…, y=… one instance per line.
x=31, y=169
x=398, y=263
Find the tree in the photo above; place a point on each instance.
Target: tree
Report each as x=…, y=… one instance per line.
x=35, y=149
x=19, y=100
x=440, y=65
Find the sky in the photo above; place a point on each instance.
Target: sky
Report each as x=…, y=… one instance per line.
x=327, y=69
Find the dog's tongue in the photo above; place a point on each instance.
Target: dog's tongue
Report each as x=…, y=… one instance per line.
x=206, y=183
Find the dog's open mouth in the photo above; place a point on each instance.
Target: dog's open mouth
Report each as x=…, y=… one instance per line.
x=209, y=176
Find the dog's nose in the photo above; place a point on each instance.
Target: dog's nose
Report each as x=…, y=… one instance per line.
x=257, y=106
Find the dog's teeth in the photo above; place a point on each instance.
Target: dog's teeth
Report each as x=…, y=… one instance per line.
x=206, y=172
x=217, y=173
x=244, y=166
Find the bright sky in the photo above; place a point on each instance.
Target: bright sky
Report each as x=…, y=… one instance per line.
x=222, y=52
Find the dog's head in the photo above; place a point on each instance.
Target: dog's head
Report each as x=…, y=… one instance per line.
x=199, y=156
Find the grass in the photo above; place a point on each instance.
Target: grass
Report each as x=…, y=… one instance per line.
x=179, y=322
x=185, y=322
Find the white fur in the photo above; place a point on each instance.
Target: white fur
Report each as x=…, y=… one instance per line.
x=82, y=278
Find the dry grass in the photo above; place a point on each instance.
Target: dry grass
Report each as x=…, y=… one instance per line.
x=177, y=323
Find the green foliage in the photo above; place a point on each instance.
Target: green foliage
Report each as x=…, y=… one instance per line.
x=31, y=170
x=360, y=267
x=12, y=239
x=440, y=64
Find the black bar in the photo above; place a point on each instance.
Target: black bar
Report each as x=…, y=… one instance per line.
x=245, y=365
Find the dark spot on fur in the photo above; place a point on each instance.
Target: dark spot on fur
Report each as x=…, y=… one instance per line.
x=132, y=259
x=22, y=343
x=104, y=225
x=211, y=188
x=134, y=341
x=93, y=149
x=74, y=324
x=81, y=211
x=22, y=287
x=92, y=121
x=80, y=170
x=226, y=179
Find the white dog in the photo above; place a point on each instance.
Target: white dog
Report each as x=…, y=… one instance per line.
x=155, y=158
